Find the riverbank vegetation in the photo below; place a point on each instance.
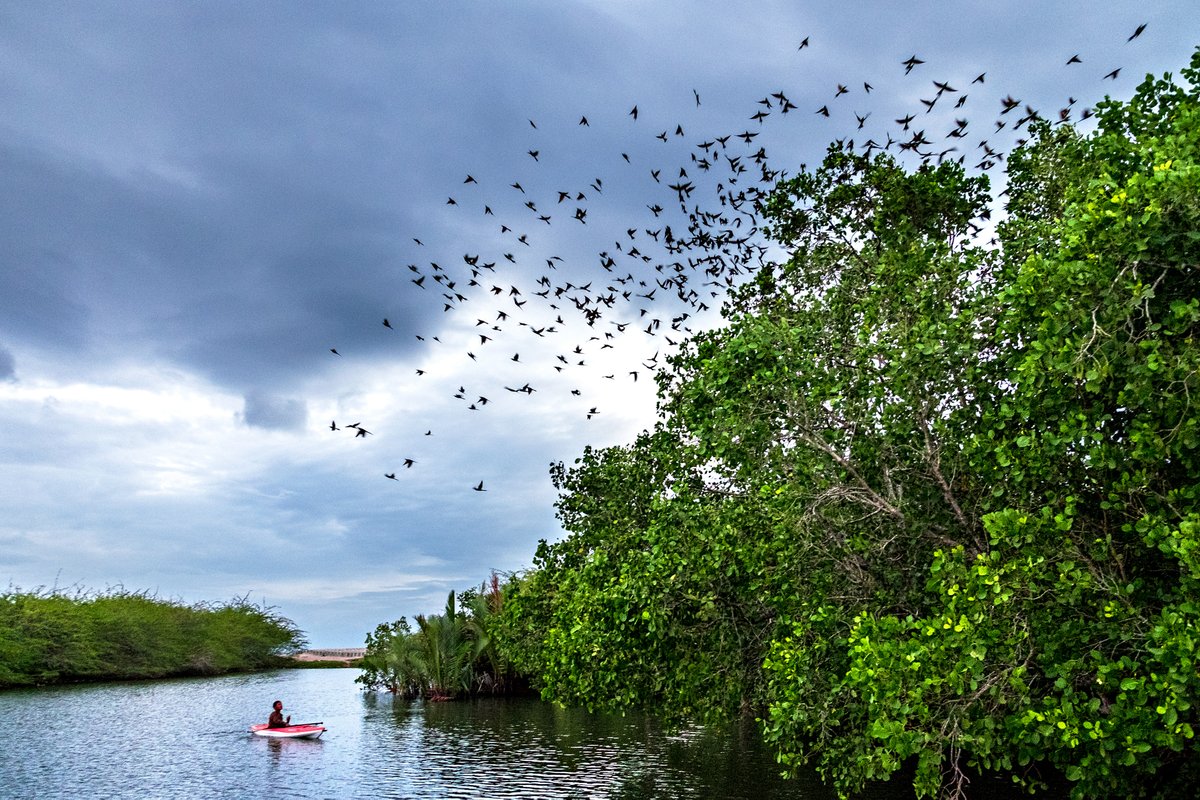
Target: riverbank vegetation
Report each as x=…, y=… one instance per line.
x=449, y=655
x=928, y=497
x=55, y=636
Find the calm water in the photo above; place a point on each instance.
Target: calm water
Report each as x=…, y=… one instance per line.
x=187, y=738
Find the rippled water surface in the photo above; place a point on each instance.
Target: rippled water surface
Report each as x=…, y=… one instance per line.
x=188, y=738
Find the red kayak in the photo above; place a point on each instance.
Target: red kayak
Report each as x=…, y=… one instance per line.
x=312, y=730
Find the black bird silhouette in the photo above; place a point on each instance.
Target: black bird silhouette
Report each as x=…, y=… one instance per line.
x=1113, y=75
x=334, y=351
x=803, y=43
x=333, y=426
x=633, y=112
x=1075, y=59
x=479, y=487
x=911, y=62
x=1136, y=33
x=387, y=324
x=408, y=462
x=390, y=475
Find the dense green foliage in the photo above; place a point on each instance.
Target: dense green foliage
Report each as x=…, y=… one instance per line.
x=53, y=636
x=449, y=655
x=924, y=498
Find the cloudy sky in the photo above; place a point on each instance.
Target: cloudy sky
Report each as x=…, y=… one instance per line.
x=200, y=202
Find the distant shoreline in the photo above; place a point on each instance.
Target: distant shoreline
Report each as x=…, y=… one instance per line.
x=348, y=656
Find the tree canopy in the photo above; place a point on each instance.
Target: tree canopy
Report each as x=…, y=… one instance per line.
x=931, y=495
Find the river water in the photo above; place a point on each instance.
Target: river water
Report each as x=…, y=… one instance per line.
x=188, y=738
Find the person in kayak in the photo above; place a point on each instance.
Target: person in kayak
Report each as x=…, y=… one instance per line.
x=277, y=719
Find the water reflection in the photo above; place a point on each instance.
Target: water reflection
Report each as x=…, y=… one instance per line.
x=515, y=748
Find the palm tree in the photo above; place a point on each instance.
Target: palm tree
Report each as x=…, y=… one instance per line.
x=490, y=667
x=447, y=652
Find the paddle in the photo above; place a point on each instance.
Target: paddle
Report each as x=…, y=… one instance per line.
x=302, y=724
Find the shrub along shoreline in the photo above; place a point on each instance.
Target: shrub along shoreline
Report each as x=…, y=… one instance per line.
x=56, y=636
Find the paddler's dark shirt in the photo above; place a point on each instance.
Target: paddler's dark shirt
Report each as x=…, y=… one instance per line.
x=276, y=720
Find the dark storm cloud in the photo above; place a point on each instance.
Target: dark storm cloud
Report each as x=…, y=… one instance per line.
x=236, y=209
x=274, y=413
x=235, y=201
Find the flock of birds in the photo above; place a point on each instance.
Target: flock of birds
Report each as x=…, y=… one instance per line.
x=699, y=237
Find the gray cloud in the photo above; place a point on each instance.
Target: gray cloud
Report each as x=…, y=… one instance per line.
x=8, y=365
x=274, y=413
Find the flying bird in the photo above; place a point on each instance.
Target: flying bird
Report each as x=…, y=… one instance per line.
x=1136, y=33
x=479, y=487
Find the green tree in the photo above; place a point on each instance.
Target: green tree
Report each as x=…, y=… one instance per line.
x=393, y=660
x=1067, y=636
x=921, y=498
